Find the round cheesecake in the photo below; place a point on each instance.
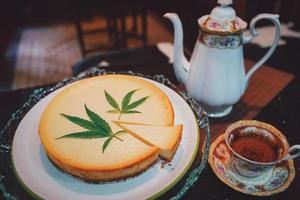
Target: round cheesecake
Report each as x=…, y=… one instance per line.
x=80, y=135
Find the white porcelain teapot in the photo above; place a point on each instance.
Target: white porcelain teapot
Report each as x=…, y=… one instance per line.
x=215, y=75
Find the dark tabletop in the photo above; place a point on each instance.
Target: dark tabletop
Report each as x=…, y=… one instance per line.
x=283, y=112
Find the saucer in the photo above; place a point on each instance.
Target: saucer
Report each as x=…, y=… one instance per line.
x=270, y=183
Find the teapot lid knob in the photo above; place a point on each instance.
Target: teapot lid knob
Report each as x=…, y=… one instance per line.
x=225, y=2
x=224, y=11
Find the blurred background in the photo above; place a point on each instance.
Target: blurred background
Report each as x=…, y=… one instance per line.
x=40, y=40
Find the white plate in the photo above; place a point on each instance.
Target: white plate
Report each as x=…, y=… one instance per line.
x=42, y=180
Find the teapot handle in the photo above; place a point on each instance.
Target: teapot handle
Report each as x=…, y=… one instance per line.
x=253, y=33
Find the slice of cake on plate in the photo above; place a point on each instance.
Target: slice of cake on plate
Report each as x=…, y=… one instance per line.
x=166, y=138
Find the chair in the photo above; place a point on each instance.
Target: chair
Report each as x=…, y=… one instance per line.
x=114, y=13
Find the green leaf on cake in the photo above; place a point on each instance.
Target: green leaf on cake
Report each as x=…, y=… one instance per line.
x=136, y=103
x=113, y=111
x=127, y=98
x=101, y=123
x=131, y=111
x=105, y=144
x=96, y=128
x=107, y=141
x=85, y=135
x=111, y=101
x=81, y=122
x=127, y=107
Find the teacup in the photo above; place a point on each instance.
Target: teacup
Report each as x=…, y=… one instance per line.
x=256, y=147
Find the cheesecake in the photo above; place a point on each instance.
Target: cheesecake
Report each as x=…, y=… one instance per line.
x=79, y=134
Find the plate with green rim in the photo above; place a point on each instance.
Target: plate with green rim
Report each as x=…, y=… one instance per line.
x=42, y=180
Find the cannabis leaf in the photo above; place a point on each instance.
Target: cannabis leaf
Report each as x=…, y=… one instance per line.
x=111, y=100
x=85, y=135
x=127, y=107
x=96, y=128
x=107, y=141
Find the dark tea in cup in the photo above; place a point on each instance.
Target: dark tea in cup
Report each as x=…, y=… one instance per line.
x=256, y=147
x=256, y=144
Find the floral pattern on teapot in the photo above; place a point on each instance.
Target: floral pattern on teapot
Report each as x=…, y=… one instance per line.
x=221, y=41
x=223, y=26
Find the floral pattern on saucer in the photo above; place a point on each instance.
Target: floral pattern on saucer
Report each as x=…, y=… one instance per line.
x=275, y=181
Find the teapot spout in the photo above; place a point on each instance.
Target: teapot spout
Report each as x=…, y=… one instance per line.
x=181, y=65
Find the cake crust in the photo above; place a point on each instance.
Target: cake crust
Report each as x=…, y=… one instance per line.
x=108, y=174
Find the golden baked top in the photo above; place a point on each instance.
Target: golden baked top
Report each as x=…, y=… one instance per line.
x=71, y=124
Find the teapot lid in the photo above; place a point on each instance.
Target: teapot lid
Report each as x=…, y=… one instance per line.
x=222, y=19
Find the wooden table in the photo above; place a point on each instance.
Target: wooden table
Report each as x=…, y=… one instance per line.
x=273, y=96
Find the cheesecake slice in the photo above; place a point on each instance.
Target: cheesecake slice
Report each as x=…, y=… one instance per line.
x=166, y=138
